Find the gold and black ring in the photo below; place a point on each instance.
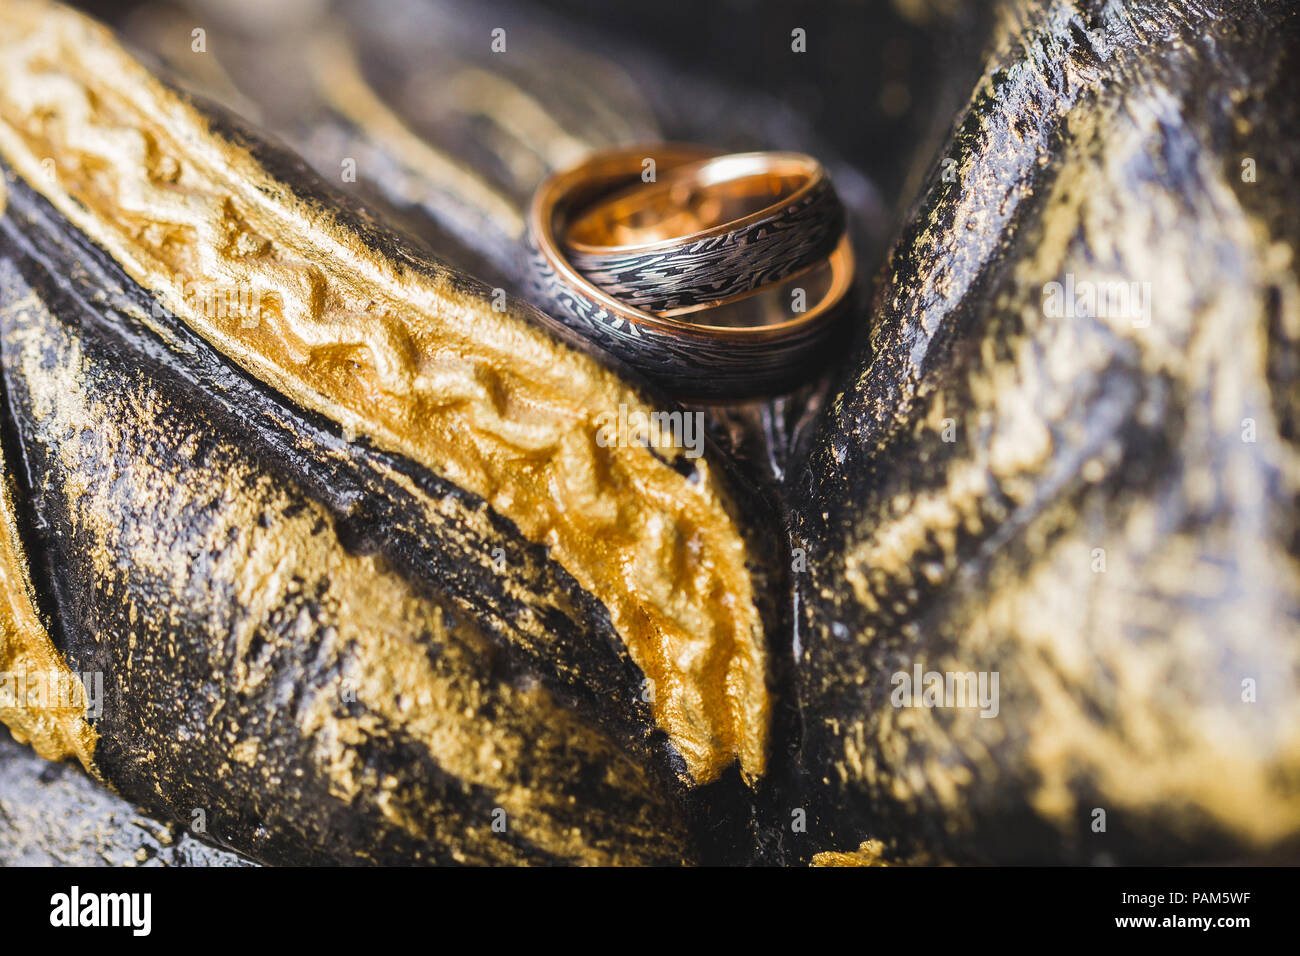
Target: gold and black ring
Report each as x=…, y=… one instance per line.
x=762, y=342
x=708, y=232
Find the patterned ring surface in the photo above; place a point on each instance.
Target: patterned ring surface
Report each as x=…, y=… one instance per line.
x=689, y=359
x=729, y=260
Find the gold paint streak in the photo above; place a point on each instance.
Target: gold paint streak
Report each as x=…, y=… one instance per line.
x=476, y=90
x=869, y=853
x=1145, y=642
x=264, y=550
x=339, y=78
x=56, y=729
x=873, y=853
x=163, y=29
x=1216, y=756
x=404, y=356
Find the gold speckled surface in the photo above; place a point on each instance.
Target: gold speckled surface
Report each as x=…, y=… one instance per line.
x=1002, y=448
x=300, y=677
x=409, y=357
x=869, y=853
x=55, y=728
x=1065, y=617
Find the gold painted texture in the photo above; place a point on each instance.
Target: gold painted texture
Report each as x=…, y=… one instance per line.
x=53, y=724
x=403, y=351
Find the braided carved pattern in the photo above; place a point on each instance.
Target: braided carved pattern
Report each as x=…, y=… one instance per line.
x=791, y=238
x=689, y=366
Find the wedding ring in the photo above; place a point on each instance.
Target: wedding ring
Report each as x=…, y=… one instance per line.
x=764, y=343
x=708, y=232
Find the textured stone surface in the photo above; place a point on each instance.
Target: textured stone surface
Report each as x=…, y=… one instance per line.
x=1098, y=504
x=52, y=814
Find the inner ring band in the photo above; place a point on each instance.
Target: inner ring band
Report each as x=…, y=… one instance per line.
x=721, y=263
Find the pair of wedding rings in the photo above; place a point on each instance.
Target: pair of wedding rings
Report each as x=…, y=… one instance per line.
x=716, y=276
